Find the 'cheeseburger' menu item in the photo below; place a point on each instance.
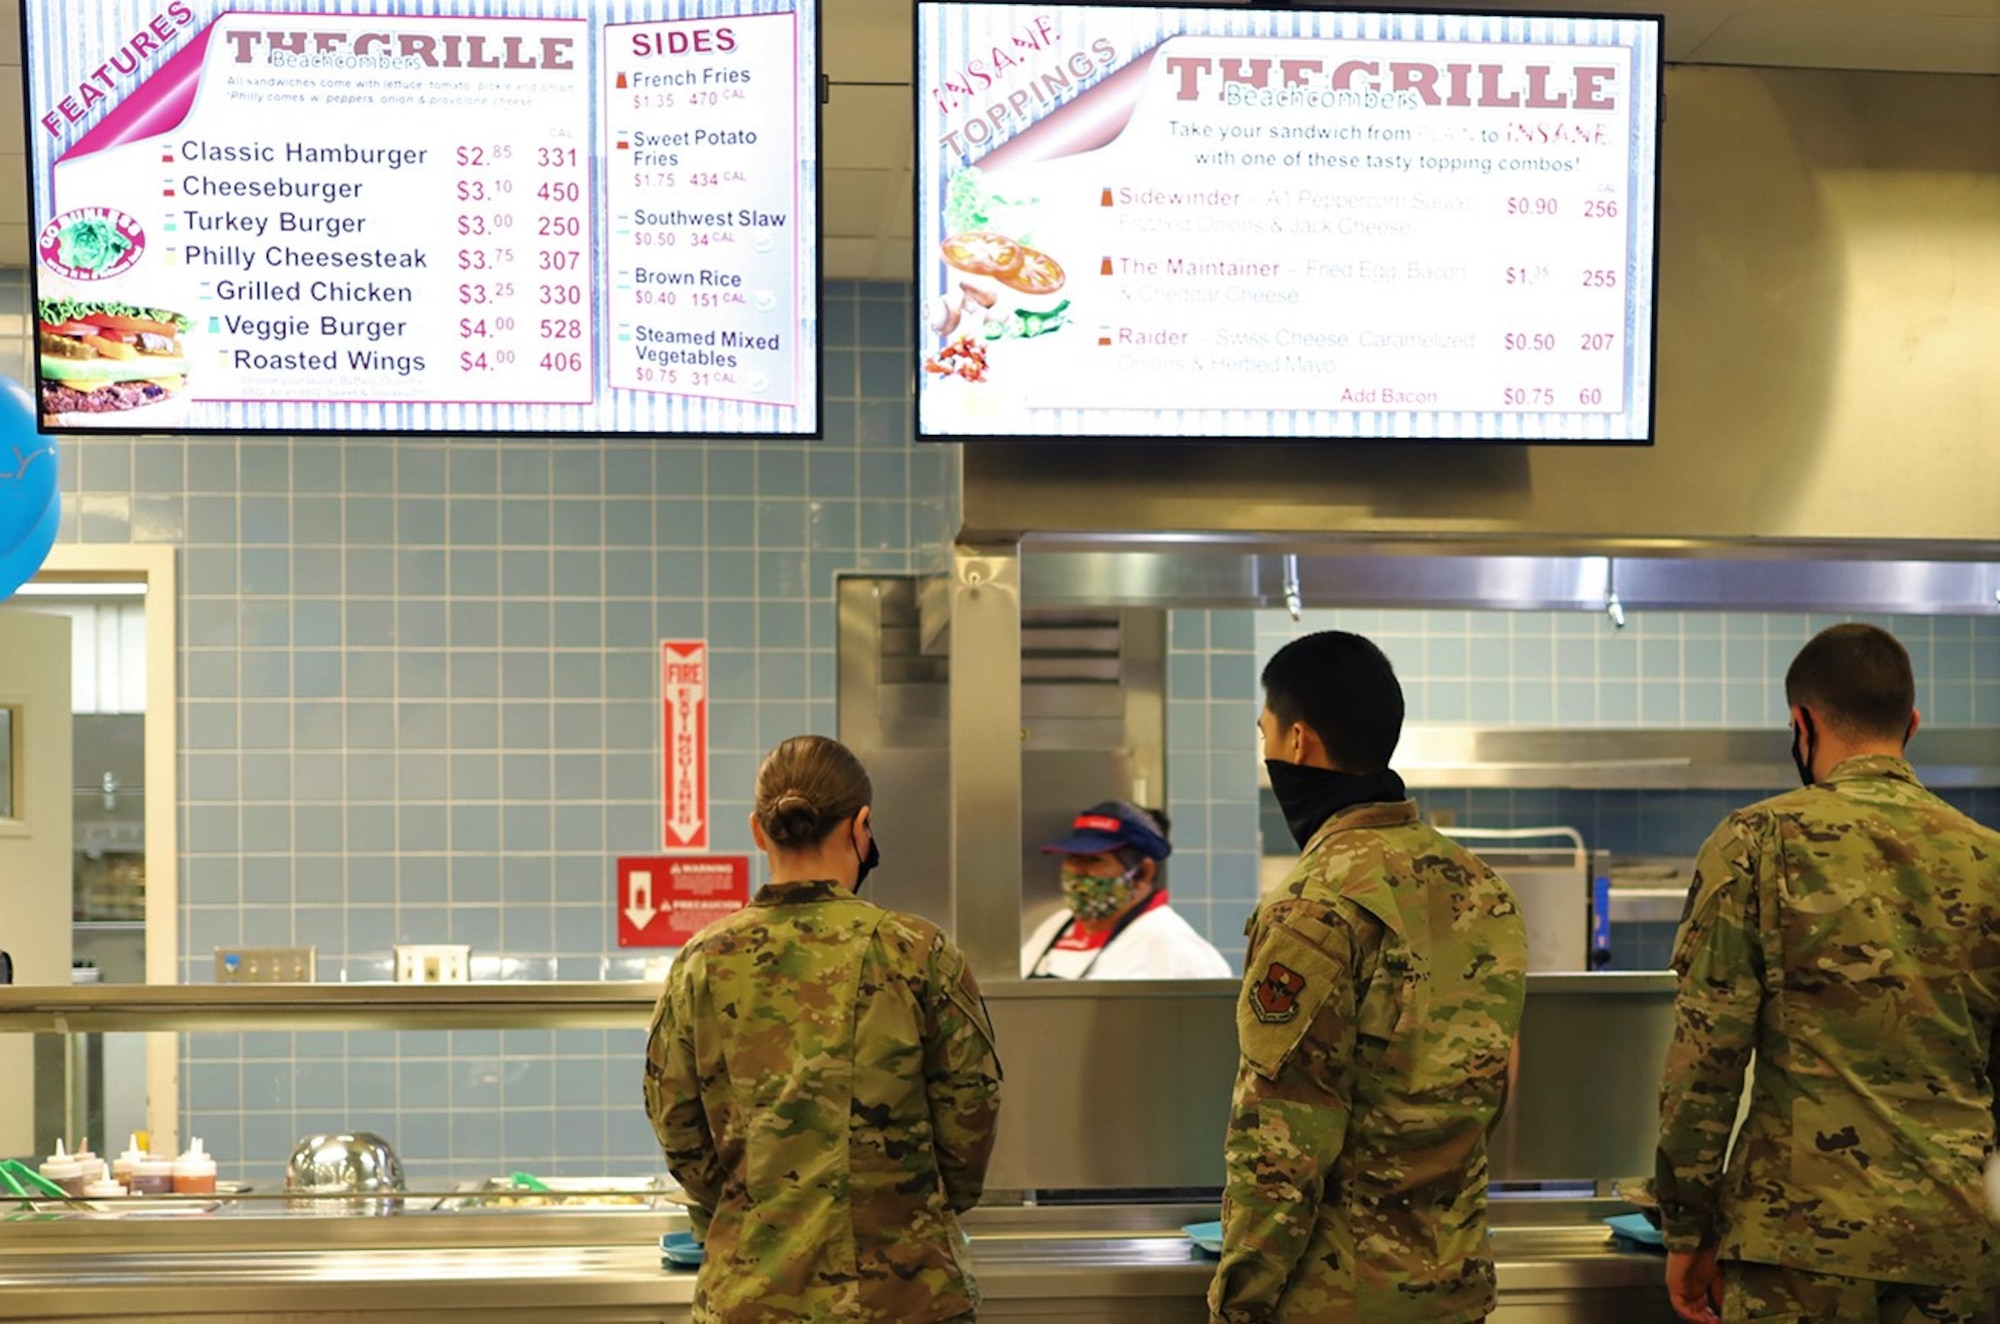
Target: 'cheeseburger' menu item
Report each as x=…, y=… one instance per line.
x=1176, y=222
x=528, y=216
x=100, y=358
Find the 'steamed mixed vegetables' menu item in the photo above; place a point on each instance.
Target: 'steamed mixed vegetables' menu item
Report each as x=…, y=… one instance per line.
x=449, y=215
x=1169, y=222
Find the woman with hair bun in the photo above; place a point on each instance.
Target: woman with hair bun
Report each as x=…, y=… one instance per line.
x=821, y=1075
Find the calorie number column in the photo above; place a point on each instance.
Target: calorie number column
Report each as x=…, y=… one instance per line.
x=701, y=128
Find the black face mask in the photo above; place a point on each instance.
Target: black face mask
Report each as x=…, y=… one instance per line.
x=868, y=861
x=1804, y=731
x=1309, y=796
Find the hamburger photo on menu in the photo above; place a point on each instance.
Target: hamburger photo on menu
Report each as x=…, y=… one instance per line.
x=108, y=364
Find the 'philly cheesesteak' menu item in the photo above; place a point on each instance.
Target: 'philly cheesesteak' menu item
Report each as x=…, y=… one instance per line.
x=586, y=216
x=1256, y=223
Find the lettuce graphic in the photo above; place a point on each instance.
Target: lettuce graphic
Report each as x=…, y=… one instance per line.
x=971, y=204
x=57, y=311
x=91, y=245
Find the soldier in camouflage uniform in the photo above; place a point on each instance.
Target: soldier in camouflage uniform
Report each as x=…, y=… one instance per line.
x=1380, y=1000
x=1847, y=934
x=821, y=1075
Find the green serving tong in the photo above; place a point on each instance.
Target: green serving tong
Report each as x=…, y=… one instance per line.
x=528, y=1181
x=18, y=1179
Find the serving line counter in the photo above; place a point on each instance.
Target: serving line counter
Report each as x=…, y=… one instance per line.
x=1158, y=1057
x=1108, y=1263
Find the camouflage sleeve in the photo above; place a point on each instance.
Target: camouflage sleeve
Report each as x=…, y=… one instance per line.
x=961, y=1077
x=673, y=1102
x=1718, y=955
x=1295, y=1021
x=1993, y=1082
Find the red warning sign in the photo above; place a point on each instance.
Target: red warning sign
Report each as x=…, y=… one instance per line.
x=663, y=900
x=684, y=701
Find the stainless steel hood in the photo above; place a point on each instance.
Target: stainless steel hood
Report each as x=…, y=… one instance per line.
x=1517, y=758
x=1196, y=573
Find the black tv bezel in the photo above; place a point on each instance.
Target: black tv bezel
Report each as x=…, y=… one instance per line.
x=918, y=329
x=818, y=358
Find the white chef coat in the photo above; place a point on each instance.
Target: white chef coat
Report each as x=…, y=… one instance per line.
x=1155, y=944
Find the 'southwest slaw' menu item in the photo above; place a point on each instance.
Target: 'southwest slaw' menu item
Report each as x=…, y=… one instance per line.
x=1143, y=222
x=519, y=215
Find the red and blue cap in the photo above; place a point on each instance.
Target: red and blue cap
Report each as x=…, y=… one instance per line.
x=1111, y=826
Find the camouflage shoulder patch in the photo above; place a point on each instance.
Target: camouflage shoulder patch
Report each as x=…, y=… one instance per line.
x=1290, y=979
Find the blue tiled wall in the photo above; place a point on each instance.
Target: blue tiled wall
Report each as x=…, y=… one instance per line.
x=1212, y=772
x=1664, y=669
x=419, y=705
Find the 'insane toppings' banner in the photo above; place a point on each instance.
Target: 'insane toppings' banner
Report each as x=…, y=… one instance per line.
x=1229, y=223
x=506, y=215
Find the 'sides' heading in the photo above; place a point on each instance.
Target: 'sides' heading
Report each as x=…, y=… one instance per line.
x=683, y=41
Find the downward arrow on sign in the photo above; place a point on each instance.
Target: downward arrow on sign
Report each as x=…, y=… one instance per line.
x=639, y=899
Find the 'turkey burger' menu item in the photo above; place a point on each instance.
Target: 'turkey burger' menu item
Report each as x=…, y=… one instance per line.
x=450, y=221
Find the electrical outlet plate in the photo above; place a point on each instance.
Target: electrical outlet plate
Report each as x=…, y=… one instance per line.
x=266, y=965
x=417, y=963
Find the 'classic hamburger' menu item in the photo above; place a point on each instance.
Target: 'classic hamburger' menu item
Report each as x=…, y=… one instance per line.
x=560, y=216
x=1254, y=223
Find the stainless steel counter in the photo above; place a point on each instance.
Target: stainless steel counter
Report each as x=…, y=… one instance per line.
x=1123, y=1264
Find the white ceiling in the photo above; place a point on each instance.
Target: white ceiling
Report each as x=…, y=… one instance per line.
x=868, y=154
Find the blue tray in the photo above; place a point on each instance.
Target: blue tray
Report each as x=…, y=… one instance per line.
x=1638, y=1229
x=681, y=1250
x=1208, y=1236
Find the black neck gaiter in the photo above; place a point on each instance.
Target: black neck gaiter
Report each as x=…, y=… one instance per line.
x=1309, y=796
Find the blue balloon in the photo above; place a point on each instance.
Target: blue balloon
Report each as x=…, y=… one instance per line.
x=18, y=566
x=30, y=496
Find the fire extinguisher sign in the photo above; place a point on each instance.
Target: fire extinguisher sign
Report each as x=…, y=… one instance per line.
x=684, y=748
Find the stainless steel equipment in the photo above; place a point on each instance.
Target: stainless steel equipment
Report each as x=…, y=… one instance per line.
x=359, y=1163
x=1092, y=727
x=1098, y=1265
x=1107, y=1085
x=1126, y=1084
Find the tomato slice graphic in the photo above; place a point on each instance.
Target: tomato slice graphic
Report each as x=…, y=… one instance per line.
x=982, y=253
x=1038, y=273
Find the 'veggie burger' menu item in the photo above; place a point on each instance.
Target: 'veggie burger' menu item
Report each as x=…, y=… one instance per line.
x=504, y=216
x=1139, y=222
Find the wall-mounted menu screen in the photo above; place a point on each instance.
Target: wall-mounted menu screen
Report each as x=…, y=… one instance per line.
x=491, y=216
x=1151, y=222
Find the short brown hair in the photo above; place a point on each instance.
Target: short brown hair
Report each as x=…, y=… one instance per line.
x=806, y=787
x=1855, y=677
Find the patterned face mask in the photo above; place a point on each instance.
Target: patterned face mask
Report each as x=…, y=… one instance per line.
x=1095, y=896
